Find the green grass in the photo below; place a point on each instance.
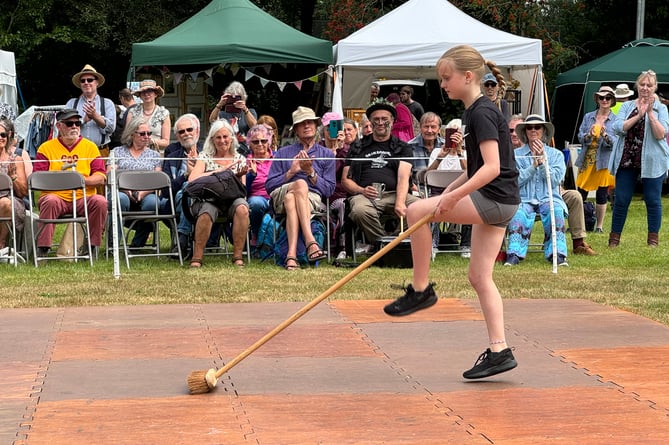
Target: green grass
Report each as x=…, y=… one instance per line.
x=631, y=277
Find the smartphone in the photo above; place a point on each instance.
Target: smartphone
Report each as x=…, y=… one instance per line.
x=334, y=127
x=230, y=104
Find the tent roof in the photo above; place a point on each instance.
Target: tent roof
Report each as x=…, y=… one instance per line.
x=623, y=65
x=418, y=32
x=232, y=31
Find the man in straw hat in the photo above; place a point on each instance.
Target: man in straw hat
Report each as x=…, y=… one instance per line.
x=534, y=132
x=301, y=176
x=99, y=114
x=622, y=94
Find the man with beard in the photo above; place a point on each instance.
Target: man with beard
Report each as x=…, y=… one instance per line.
x=179, y=160
x=379, y=159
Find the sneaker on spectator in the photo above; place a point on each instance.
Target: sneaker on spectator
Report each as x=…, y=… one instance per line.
x=341, y=255
x=412, y=301
x=465, y=251
x=561, y=261
x=512, y=260
x=490, y=363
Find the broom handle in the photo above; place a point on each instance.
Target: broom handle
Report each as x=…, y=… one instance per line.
x=349, y=276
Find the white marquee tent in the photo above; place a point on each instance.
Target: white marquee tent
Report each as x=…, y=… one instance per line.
x=407, y=42
x=8, y=92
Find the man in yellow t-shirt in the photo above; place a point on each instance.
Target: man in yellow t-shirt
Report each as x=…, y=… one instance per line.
x=71, y=148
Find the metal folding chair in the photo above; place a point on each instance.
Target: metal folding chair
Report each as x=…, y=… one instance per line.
x=52, y=181
x=7, y=186
x=440, y=179
x=142, y=181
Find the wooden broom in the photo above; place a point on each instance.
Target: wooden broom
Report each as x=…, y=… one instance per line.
x=200, y=382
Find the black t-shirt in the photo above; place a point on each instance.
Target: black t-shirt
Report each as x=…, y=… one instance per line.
x=380, y=165
x=484, y=122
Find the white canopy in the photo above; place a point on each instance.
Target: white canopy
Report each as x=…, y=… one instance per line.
x=407, y=42
x=8, y=79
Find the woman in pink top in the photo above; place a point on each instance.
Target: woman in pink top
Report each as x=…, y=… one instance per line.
x=403, y=126
x=258, y=139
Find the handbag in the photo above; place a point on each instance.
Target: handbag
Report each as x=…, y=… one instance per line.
x=220, y=188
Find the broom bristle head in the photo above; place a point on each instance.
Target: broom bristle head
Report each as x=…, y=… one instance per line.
x=200, y=382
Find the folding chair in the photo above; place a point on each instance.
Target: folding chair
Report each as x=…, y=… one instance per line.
x=52, y=181
x=440, y=179
x=7, y=186
x=142, y=181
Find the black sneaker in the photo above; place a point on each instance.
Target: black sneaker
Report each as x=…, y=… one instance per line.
x=43, y=252
x=412, y=301
x=490, y=363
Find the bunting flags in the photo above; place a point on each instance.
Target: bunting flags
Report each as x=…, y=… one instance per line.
x=249, y=73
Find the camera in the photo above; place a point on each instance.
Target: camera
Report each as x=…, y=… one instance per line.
x=230, y=104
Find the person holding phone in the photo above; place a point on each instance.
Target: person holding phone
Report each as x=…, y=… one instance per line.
x=233, y=108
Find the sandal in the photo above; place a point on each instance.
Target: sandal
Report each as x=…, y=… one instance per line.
x=317, y=254
x=195, y=263
x=238, y=261
x=294, y=266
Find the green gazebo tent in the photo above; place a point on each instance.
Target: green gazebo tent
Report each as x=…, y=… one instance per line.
x=231, y=31
x=574, y=89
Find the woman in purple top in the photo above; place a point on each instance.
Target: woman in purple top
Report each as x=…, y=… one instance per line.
x=258, y=139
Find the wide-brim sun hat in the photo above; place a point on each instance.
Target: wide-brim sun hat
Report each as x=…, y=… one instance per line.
x=147, y=85
x=87, y=69
x=381, y=106
x=304, y=114
x=606, y=91
x=623, y=91
x=535, y=119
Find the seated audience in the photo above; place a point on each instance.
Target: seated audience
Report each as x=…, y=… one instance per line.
x=220, y=153
x=571, y=198
x=156, y=116
x=300, y=178
x=259, y=138
x=135, y=155
x=534, y=132
x=69, y=147
x=12, y=165
x=180, y=157
x=379, y=161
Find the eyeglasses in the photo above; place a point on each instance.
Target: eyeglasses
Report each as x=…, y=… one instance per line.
x=512, y=130
x=87, y=79
x=146, y=92
x=259, y=141
x=72, y=123
x=3, y=135
x=607, y=98
x=489, y=84
x=189, y=130
x=534, y=127
x=143, y=133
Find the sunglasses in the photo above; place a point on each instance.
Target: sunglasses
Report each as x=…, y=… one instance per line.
x=605, y=97
x=87, y=79
x=259, y=141
x=3, y=135
x=189, y=130
x=72, y=123
x=534, y=127
x=143, y=133
x=489, y=84
x=512, y=130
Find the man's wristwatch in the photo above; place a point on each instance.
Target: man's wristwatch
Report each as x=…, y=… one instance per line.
x=312, y=175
